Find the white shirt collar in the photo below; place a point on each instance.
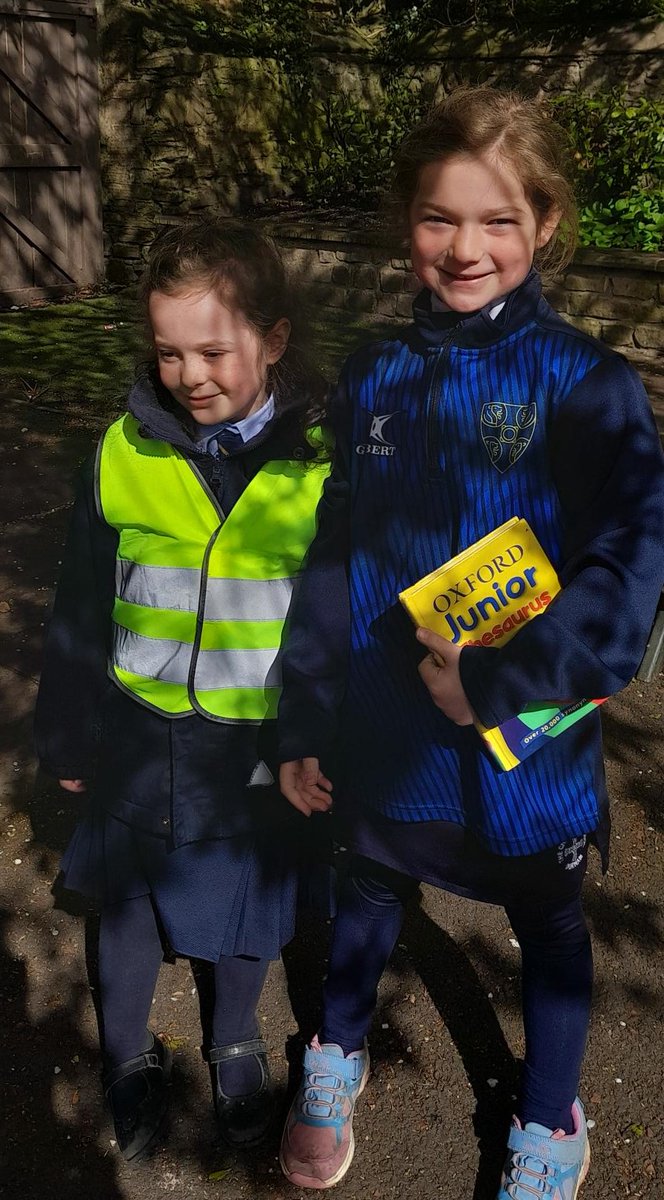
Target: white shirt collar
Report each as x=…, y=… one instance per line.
x=248, y=428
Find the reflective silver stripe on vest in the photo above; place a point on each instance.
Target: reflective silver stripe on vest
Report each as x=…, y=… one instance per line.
x=169, y=662
x=177, y=588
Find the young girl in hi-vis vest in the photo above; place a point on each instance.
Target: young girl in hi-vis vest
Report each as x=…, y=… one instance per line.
x=162, y=671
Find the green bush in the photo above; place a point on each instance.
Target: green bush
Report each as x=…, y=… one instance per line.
x=635, y=222
x=339, y=152
x=617, y=148
x=617, y=144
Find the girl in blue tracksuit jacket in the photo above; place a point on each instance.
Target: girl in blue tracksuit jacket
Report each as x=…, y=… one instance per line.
x=488, y=406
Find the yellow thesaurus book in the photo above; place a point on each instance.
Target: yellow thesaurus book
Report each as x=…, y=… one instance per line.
x=481, y=598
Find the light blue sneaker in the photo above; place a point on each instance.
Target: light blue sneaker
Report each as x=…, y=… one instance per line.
x=317, y=1145
x=544, y=1162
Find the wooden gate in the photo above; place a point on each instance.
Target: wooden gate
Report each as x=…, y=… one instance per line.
x=50, y=210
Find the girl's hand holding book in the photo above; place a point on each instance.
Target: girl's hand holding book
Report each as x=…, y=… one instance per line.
x=304, y=785
x=439, y=672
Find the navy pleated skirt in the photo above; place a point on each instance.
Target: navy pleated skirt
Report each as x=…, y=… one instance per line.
x=227, y=896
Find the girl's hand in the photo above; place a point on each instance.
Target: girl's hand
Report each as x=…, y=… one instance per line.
x=73, y=785
x=304, y=785
x=439, y=672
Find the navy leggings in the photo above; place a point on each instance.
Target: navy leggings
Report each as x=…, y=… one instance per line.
x=130, y=955
x=557, y=973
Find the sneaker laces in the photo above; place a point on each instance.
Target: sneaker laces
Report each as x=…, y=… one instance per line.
x=322, y=1095
x=537, y=1173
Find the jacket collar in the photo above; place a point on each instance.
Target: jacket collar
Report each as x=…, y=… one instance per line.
x=161, y=418
x=477, y=329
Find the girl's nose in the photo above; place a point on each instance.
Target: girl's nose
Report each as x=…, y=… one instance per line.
x=192, y=373
x=467, y=243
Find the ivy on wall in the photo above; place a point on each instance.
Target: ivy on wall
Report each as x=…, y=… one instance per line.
x=408, y=25
x=342, y=154
x=618, y=155
x=389, y=30
x=324, y=141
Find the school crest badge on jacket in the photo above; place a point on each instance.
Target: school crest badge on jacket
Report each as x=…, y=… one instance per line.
x=507, y=431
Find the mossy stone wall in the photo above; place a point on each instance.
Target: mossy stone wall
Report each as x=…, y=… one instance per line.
x=617, y=295
x=186, y=129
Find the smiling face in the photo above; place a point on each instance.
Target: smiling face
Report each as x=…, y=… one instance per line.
x=212, y=361
x=473, y=232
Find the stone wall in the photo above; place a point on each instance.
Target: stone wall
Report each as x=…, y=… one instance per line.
x=617, y=295
x=185, y=129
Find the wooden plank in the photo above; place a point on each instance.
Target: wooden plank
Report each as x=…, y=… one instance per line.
x=25, y=295
x=14, y=190
x=35, y=237
x=12, y=264
x=33, y=77
x=64, y=216
x=12, y=47
x=46, y=188
x=35, y=95
x=37, y=155
x=49, y=67
x=6, y=93
x=91, y=204
x=64, y=45
x=26, y=250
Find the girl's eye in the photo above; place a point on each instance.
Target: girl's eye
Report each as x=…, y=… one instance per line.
x=436, y=219
x=165, y=355
x=503, y=221
x=213, y=353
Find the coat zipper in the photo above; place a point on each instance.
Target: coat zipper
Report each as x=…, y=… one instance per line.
x=435, y=418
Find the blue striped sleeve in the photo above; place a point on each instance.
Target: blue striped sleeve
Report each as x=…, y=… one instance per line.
x=607, y=466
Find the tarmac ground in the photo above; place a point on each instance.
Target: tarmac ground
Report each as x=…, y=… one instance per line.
x=447, y=1032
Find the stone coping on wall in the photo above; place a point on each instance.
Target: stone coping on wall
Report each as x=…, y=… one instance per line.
x=616, y=296
x=623, y=260
x=373, y=236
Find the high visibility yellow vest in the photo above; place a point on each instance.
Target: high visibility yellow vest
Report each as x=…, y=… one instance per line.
x=201, y=598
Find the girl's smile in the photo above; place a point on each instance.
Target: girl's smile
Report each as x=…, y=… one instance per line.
x=473, y=231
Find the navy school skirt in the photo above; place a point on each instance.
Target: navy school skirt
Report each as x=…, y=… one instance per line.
x=229, y=896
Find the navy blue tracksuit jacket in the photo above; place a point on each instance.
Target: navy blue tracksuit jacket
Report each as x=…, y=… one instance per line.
x=444, y=432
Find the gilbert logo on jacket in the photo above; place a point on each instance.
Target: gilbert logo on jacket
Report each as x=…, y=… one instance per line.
x=378, y=443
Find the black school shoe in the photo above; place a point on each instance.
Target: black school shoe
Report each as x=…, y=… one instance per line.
x=137, y=1094
x=243, y=1121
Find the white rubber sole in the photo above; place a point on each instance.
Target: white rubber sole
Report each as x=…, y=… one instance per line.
x=584, y=1169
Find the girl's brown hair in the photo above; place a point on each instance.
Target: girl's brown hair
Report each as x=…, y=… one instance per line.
x=244, y=268
x=521, y=133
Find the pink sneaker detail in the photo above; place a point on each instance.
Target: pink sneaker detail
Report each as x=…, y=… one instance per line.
x=317, y=1145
